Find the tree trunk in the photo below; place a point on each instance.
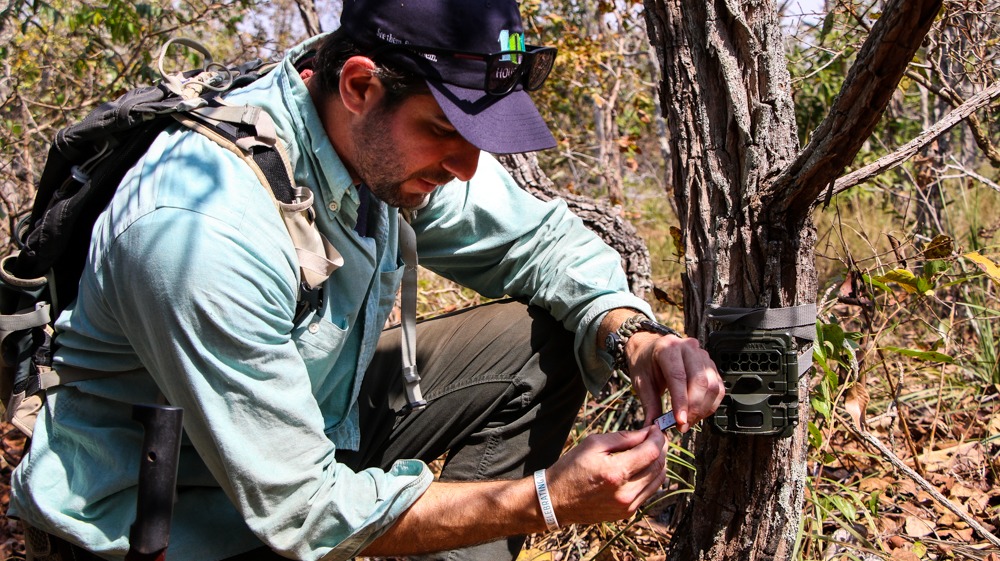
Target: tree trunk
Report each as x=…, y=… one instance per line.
x=599, y=216
x=744, y=200
x=310, y=17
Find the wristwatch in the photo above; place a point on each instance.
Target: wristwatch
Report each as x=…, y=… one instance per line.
x=616, y=340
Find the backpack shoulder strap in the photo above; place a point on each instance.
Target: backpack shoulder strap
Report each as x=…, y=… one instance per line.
x=249, y=133
x=408, y=313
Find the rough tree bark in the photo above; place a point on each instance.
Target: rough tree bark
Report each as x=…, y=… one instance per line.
x=599, y=216
x=744, y=200
x=310, y=17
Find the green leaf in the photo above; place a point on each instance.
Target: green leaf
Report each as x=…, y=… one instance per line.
x=873, y=502
x=834, y=334
x=876, y=283
x=935, y=267
x=827, y=25
x=929, y=356
x=832, y=381
x=845, y=507
x=821, y=407
x=815, y=436
x=902, y=277
x=925, y=285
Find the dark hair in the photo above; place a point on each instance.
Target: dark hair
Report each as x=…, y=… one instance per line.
x=338, y=47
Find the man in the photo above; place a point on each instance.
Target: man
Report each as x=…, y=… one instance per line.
x=298, y=439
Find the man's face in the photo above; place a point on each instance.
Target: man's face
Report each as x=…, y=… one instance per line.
x=403, y=154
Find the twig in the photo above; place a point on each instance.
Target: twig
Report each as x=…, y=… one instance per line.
x=892, y=160
x=895, y=461
x=984, y=180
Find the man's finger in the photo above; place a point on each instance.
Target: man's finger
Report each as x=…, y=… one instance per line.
x=704, y=386
x=622, y=441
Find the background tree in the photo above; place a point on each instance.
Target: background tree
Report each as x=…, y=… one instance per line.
x=746, y=195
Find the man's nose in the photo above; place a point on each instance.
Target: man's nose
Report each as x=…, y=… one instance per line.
x=462, y=161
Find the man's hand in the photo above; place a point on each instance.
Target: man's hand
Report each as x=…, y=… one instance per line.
x=659, y=363
x=607, y=476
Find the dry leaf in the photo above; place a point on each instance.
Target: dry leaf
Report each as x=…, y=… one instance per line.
x=678, y=238
x=966, y=454
x=890, y=523
x=989, y=267
x=906, y=487
x=535, y=555
x=918, y=527
x=961, y=534
x=939, y=248
x=856, y=402
x=872, y=484
x=959, y=491
x=900, y=256
x=904, y=555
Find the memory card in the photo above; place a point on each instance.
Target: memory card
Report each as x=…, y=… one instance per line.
x=666, y=421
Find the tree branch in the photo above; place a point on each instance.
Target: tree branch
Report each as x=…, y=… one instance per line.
x=892, y=160
x=981, y=136
x=869, y=86
x=307, y=9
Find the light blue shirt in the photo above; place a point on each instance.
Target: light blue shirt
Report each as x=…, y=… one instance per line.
x=190, y=290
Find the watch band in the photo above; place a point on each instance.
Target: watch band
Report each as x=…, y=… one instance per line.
x=616, y=340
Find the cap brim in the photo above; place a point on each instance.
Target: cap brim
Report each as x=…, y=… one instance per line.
x=507, y=124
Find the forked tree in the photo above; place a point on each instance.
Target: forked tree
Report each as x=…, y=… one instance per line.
x=745, y=194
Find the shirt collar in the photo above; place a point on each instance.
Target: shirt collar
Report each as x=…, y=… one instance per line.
x=315, y=157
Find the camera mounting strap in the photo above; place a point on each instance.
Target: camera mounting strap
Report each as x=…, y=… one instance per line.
x=757, y=356
x=798, y=321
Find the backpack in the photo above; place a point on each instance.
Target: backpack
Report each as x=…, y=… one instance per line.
x=86, y=163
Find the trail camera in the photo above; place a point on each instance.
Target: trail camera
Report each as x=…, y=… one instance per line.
x=761, y=374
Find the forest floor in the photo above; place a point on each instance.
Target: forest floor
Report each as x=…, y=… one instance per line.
x=920, y=496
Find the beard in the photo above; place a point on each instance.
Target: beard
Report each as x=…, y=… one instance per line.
x=378, y=162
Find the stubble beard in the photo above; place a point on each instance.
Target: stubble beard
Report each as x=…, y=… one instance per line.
x=379, y=163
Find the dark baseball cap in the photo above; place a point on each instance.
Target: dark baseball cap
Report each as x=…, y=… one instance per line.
x=444, y=41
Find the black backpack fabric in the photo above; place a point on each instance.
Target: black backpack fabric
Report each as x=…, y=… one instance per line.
x=86, y=163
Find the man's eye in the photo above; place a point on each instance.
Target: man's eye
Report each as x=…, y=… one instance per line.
x=443, y=132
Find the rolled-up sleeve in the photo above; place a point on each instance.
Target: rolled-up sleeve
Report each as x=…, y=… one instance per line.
x=494, y=237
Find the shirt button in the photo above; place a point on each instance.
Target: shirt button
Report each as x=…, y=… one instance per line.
x=333, y=206
x=313, y=327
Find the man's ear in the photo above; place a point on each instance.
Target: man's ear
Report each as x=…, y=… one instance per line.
x=359, y=88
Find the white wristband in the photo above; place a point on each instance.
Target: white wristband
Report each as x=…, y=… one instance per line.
x=542, y=490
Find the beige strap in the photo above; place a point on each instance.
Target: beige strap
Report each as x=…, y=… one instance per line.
x=318, y=259
x=317, y=256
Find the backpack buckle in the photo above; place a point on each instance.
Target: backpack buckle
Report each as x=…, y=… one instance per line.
x=310, y=300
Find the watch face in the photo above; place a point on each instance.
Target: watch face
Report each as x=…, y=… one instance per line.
x=611, y=342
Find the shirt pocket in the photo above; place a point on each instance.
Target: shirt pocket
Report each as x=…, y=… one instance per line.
x=319, y=338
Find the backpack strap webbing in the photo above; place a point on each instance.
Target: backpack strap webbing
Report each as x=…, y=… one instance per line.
x=254, y=140
x=408, y=312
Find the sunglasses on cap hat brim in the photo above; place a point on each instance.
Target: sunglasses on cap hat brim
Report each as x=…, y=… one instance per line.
x=505, y=70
